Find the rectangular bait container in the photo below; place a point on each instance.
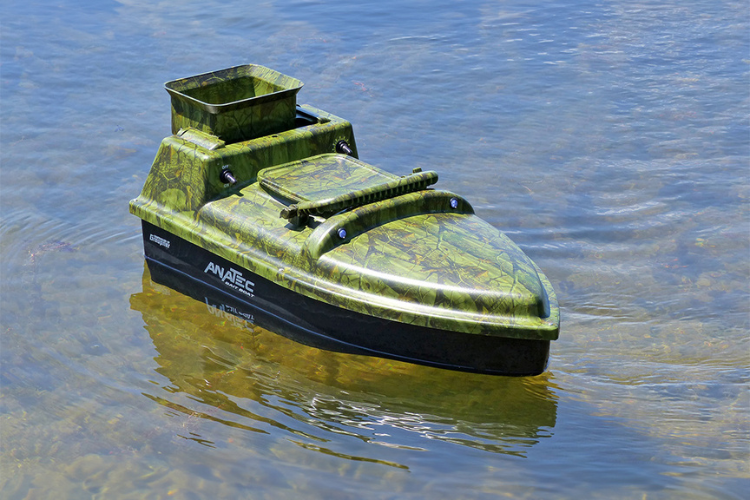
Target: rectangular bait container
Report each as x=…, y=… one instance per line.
x=235, y=104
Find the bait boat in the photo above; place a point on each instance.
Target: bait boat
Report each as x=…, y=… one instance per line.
x=265, y=203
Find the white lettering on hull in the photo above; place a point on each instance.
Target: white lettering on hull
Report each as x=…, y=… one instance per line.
x=159, y=240
x=232, y=278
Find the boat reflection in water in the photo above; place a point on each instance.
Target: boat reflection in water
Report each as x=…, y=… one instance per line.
x=227, y=363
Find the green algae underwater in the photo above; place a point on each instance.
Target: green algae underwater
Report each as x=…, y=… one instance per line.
x=608, y=140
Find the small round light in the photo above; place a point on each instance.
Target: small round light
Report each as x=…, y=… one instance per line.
x=342, y=233
x=454, y=203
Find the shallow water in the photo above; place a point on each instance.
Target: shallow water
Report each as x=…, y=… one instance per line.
x=610, y=140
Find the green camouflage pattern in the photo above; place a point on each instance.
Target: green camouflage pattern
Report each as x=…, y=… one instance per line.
x=327, y=184
x=406, y=253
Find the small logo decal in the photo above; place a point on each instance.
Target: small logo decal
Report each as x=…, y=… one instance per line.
x=159, y=240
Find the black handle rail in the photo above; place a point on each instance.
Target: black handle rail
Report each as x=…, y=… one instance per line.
x=407, y=184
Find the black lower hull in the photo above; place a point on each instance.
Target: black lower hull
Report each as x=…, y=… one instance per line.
x=181, y=265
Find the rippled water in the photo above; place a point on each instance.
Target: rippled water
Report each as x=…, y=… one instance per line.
x=610, y=140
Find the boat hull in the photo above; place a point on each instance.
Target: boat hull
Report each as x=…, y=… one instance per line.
x=196, y=272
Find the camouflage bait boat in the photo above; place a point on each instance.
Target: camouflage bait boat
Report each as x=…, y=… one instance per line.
x=264, y=202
